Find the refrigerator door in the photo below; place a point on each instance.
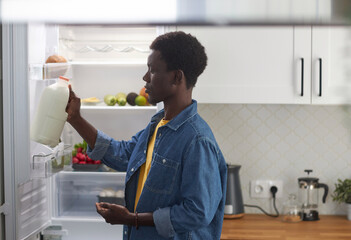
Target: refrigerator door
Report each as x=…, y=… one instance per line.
x=26, y=200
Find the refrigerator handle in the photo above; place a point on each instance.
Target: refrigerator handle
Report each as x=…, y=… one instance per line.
x=5, y=209
x=320, y=77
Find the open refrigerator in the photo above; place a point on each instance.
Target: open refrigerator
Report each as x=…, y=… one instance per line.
x=40, y=187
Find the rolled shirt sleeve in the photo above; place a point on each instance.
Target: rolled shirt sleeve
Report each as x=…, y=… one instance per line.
x=114, y=154
x=163, y=222
x=101, y=145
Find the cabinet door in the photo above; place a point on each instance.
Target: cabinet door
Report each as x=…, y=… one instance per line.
x=331, y=65
x=254, y=64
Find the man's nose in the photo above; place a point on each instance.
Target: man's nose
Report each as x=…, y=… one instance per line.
x=146, y=77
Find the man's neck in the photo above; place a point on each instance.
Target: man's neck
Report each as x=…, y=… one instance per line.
x=174, y=107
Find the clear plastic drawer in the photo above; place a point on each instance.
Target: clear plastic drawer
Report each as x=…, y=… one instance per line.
x=77, y=192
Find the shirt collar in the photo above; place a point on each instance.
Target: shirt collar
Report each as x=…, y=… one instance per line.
x=178, y=120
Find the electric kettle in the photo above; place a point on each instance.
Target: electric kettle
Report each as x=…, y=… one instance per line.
x=308, y=196
x=234, y=207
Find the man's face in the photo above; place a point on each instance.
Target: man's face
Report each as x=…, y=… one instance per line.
x=159, y=82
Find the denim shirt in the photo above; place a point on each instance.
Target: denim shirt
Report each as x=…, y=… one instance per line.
x=186, y=186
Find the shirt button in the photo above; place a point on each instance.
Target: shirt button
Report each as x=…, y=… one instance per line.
x=132, y=169
x=144, y=151
x=159, y=135
x=164, y=160
x=125, y=232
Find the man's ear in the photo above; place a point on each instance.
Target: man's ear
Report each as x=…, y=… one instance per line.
x=178, y=77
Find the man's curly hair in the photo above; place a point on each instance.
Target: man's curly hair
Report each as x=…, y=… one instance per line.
x=184, y=52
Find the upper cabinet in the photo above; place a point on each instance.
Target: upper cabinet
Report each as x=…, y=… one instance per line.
x=331, y=65
x=254, y=64
x=285, y=65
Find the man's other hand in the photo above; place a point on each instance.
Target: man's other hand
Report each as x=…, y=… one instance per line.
x=115, y=214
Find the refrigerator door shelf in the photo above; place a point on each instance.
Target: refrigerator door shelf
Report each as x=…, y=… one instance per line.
x=45, y=165
x=55, y=70
x=49, y=71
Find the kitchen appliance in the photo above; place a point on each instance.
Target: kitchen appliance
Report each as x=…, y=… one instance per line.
x=37, y=188
x=308, y=196
x=234, y=206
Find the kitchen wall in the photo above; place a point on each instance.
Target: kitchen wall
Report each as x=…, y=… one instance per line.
x=278, y=142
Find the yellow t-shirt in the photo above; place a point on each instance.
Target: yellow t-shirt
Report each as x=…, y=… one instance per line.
x=145, y=168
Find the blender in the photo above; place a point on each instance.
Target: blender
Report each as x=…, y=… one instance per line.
x=308, y=196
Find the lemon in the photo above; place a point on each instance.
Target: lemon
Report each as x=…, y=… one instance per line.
x=140, y=100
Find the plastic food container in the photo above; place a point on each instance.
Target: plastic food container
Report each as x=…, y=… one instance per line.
x=115, y=200
x=86, y=167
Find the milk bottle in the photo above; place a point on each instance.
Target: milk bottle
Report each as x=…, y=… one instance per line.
x=51, y=114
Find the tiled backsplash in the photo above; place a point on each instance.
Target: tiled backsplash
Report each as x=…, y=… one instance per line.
x=277, y=142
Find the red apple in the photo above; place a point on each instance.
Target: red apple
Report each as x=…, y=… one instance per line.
x=75, y=160
x=80, y=156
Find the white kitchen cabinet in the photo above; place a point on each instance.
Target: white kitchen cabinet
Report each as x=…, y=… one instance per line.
x=331, y=65
x=285, y=65
x=254, y=64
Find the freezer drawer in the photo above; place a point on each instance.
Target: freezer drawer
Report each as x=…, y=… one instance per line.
x=77, y=192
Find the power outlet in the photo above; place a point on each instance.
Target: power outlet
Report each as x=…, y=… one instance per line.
x=262, y=188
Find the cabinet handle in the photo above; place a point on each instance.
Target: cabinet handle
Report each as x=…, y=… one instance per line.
x=320, y=77
x=302, y=74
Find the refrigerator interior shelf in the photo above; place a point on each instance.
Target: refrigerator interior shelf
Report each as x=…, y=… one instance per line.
x=124, y=108
x=124, y=62
x=79, y=219
x=45, y=165
x=93, y=175
x=105, y=48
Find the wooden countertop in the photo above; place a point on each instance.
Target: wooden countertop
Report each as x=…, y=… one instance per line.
x=259, y=226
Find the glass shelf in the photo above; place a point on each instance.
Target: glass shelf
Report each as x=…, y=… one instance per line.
x=131, y=62
x=122, y=108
